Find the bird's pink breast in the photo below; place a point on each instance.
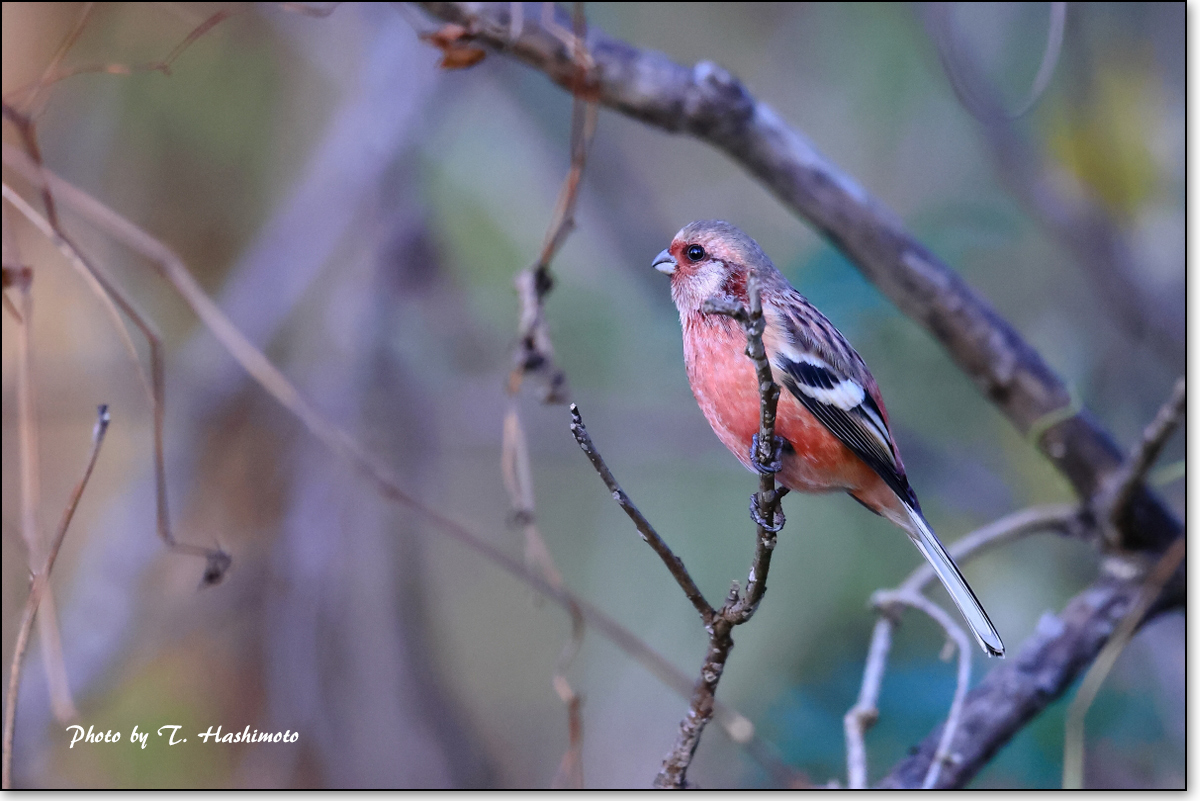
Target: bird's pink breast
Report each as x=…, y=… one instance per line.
x=725, y=384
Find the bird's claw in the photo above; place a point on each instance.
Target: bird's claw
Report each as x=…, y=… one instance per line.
x=776, y=463
x=757, y=516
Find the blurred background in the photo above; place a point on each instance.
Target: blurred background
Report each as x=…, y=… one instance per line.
x=361, y=215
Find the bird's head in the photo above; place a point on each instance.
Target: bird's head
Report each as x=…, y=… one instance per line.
x=707, y=259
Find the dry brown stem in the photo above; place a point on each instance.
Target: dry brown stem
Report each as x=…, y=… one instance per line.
x=39, y=582
x=534, y=356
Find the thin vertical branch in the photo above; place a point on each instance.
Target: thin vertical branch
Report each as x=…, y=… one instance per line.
x=61, y=702
x=865, y=712
x=534, y=355
x=40, y=581
x=738, y=607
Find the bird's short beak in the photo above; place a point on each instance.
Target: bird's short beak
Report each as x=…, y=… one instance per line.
x=664, y=262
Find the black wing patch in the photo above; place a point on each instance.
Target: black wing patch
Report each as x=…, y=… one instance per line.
x=814, y=375
x=860, y=427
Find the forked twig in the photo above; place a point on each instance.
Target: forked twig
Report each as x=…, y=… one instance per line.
x=37, y=589
x=1112, y=501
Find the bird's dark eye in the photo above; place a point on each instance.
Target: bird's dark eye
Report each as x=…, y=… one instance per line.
x=695, y=252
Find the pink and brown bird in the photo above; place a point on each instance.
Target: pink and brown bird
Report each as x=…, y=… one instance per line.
x=831, y=418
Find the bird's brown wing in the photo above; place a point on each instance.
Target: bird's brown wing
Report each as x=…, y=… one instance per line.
x=823, y=372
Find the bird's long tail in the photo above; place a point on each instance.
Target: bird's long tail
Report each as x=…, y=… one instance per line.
x=952, y=578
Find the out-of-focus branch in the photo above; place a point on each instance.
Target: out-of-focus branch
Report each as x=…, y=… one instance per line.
x=709, y=103
x=217, y=561
x=1073, y=735
x=865, y=712
x=1075, y=218
x=41, y=579
x=19, y=277
x=965, y=76
x=1047, y=664
x=534, y=356
x=883, y=600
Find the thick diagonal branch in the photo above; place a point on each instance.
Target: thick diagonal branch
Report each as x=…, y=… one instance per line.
x=710, y=104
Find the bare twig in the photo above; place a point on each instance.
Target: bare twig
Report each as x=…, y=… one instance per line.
x=649, y=535
x=1112, y=502
x=1061, y=517
x=865, y=712
x=963, y=681
x=534, y=355
x=1098, y=672
x=61, y=702
x=518, y=480
x=766, y=452
x=40, y=581
x=709, y=103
